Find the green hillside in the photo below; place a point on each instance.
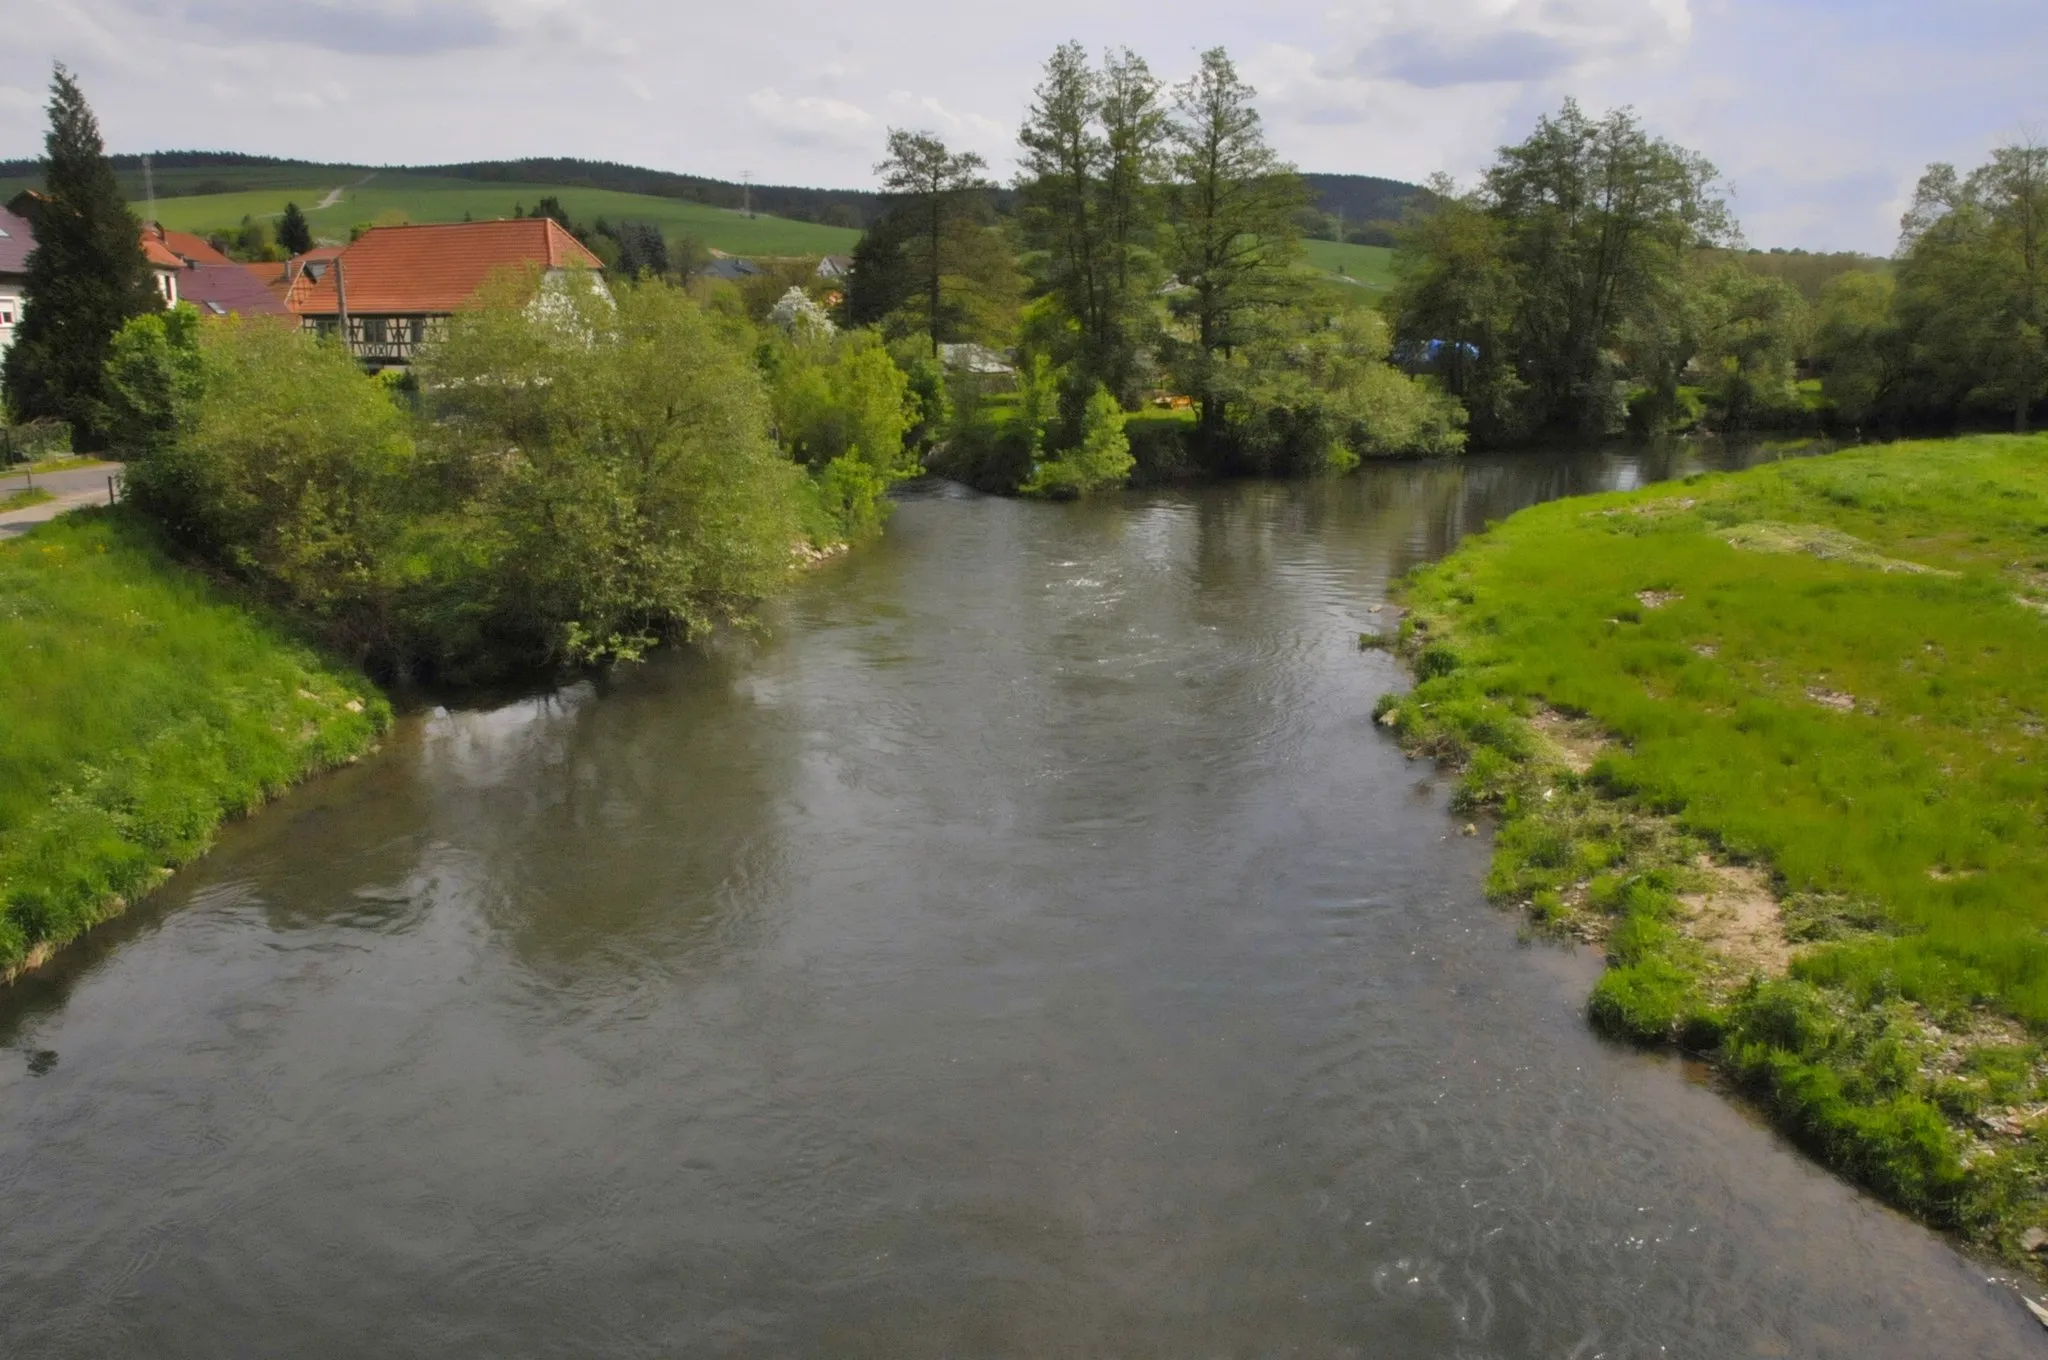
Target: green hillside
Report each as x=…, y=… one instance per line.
x=1370, y=266
x=369, y=195
x=424, y=198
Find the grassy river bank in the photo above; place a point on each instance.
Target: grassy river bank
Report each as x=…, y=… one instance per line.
x=142, y=707
x=1774, y=741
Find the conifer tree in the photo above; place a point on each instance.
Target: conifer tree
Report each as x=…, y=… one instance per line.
x=85, y=279
x=293, y=232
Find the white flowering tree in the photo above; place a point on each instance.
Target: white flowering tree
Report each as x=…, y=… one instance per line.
x=800, y=318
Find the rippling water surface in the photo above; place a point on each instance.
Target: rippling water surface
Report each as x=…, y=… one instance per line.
x=1030, y=949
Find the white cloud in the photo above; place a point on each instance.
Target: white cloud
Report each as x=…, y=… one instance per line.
x=812, y=121
x=1436, y=44
x=993, y=138
x=1800, y=104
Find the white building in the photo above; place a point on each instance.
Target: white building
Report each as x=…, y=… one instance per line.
x=16, y=243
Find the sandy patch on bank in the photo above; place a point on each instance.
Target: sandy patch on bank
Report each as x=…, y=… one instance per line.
x=1736, y=917
x=1575, y=742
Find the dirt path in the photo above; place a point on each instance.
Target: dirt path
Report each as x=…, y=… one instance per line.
x=334, y=195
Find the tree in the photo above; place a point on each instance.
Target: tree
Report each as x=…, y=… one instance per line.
x=155, y=374
x=289, y=468
x=1862, y=349
x=1973, y=281
x=1454, y=304
x=1314, y=393
x=1087, y=206
x=1576, y=249
x=938, y=189
x=1134, y=132
x=626, y=486
x=844, y=409
x=1755, y=329
x=880, y=285
x=1099, y=461
x=85, y=279
x=293, y=232
x=1600, y=219
x=1231, y=234
x=687, y=257
x=1059, y=179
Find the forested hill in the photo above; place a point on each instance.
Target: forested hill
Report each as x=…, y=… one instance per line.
x=1364, y=198
x=1357, y=199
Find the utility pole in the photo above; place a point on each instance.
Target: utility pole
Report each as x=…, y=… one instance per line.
x=341, y=305
x=746, y=193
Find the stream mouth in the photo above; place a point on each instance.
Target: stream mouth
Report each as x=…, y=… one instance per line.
x=1028, y=947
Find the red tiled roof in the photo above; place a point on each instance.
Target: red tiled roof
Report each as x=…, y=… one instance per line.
x=187, y=247
x=269, y=273
x=435, y=270
x=158, y=254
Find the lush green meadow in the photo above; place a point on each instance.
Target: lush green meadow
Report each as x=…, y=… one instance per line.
x=427, y=198
x=1371, y=266
x=1834, y=670
x=141, y=709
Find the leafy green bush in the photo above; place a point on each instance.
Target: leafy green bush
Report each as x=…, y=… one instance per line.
x=1101, y=461
x=155, y=373
x=614, y=466
x=277, y=459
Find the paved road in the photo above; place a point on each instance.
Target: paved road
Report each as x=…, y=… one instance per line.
x=72, y=488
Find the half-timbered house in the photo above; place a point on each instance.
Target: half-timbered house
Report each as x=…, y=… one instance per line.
x=394, y=288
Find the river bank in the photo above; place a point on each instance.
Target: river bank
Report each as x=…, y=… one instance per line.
x=1774, y=741
x=143, y=708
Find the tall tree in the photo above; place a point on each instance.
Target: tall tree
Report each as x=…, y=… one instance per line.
x=1600, y=220
x=85, y=279
x=1087, y=205
x=293, y=231
x=1134, y=129
x=1058, y=183
x=1454, y=303
x=939, y=191
x=1974, y=279
x=1231, y=233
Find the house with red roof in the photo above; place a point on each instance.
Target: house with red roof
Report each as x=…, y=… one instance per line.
x=394, y=288
x=188, y=269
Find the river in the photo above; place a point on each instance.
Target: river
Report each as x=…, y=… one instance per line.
x=1029, y=948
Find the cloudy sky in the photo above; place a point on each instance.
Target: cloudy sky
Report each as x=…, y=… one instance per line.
x=1820, y=113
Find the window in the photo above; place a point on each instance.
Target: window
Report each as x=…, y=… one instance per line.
x=6, y=313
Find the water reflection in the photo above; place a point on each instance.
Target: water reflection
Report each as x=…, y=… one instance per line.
x=1028, y=948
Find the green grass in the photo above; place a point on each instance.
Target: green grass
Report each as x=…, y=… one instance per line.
x=24, y=498
x=427, y=198
x=141, y=709
x=1836, y=668
x=1371, y=267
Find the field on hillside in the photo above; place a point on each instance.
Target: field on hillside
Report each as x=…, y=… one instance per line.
x=1371, y=266
x=424, y=198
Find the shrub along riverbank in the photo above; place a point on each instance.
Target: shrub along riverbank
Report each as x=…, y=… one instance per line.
x=142, y=708
x=1775, y=741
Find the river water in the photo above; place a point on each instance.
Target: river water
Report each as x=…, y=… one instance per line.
x=1031, y=948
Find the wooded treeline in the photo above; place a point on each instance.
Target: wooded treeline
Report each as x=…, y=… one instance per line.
x=1590, y=284
x=1151, y=260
